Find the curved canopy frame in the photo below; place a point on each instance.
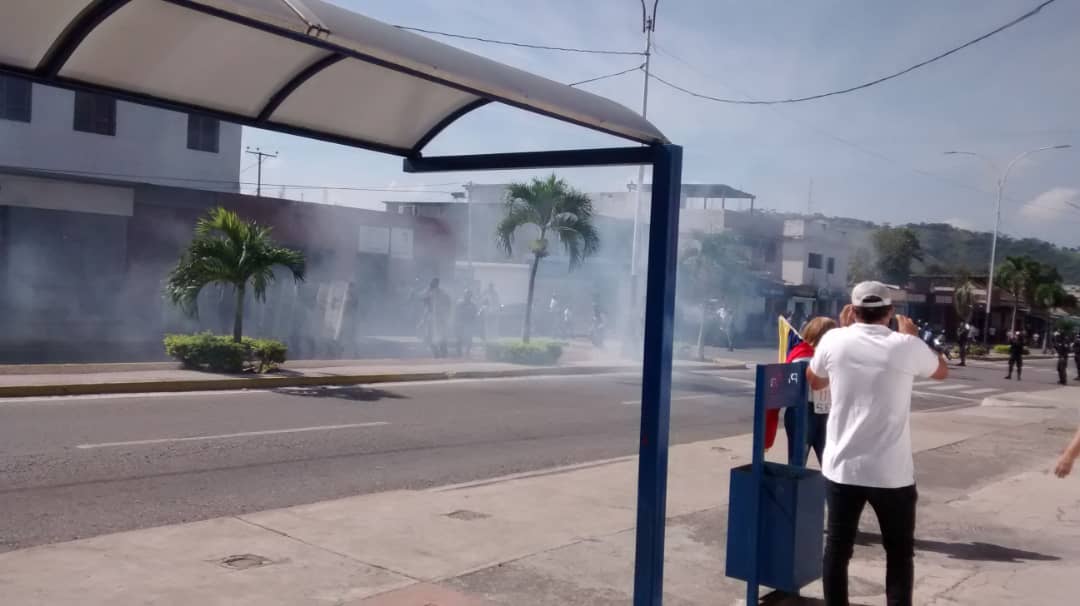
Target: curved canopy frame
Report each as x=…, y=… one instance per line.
x=306, y=67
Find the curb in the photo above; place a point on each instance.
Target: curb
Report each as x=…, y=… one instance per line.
x=264, y=382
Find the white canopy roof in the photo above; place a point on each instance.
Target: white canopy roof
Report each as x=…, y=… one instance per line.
x=305, y=67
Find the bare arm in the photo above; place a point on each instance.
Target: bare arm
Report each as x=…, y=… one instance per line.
x=906, y=326
x=1072, y=452
x=816, y=383
x=942, y=371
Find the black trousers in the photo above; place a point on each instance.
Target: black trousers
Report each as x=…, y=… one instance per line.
x=895, y=509
x=1018, y=362
x=1062, y=367
x=963, y=346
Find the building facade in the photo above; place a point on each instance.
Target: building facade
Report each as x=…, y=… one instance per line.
x=43, y=128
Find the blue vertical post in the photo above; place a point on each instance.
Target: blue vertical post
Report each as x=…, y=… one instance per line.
x=656, y=375
x=761, y=387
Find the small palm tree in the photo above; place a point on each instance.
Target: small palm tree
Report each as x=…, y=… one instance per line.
x=553, y=208
x=1013, y=276
x=964, y=299
x=227, y=250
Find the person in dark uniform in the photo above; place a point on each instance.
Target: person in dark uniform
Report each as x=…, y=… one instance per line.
x=1016, y=354
x=963, y=335
x=1062, y=348
x=1076, y=354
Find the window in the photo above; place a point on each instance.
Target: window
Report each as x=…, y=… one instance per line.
x=95, y=114
x=202, y=133
x=814, y=262
x=832, y=265
x=770, y=252
x=15, y=99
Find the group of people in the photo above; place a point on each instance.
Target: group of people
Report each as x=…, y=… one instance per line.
x=462, y=320
x=861, y=370
x=1061, y=344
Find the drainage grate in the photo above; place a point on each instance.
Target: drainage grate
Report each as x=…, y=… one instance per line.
x=465, y=514
x=244, y=561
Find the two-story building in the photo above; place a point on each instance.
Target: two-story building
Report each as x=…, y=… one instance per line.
x=815, y=263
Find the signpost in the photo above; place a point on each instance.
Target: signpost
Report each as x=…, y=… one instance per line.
x=776, y=515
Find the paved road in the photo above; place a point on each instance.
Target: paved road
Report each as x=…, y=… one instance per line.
x=83, y=466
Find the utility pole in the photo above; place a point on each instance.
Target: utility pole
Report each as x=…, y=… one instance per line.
x=810, y=198
x=261, y=155
x=648, y=26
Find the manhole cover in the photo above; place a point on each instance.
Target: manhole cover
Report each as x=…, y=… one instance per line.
x=465, y=514
x=244, y=561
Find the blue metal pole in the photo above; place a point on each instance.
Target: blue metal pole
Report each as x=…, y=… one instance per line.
x=761, y=387
x=656, y=376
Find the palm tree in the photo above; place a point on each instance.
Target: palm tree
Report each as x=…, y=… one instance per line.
x=1049, y=296
x=713, y=266
x=553, y=208
x=227, y=250
x=964, y=299
x=1013, y=275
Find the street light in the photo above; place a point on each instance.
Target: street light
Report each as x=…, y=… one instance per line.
x=1003, y=177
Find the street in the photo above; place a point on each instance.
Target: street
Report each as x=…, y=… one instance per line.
x=85, y=466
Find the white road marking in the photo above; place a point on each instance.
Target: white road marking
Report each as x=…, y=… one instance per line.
x=698, y=397
x=950, y=387
x=225, y=436
x=930, y=395
x=975, y=392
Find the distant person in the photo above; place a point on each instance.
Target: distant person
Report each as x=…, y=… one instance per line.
x=1076, y=354
x=963, y=337
x=819, y=403
x=726, y=320
x=436, y=318
x=490, y=308
x=1016, y=354
x=869, y=370
x=566, y=326
x=599, y=326
x=465, y=317
x=554, y=314
x=1062, y=348
x=1068, y=457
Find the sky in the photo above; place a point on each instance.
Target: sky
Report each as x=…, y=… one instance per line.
x=875, y=154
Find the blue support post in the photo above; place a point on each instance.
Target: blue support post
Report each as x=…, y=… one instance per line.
x=656, y=375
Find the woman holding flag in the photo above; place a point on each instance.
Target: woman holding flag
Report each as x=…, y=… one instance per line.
x=796, y=347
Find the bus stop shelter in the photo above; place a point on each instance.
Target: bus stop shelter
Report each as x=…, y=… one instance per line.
x=313, y=69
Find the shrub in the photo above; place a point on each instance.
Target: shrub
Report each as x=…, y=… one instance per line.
x=218, y=353
x=1004, y=349
x=268, y=353
x=537, y=352
x=977, y=350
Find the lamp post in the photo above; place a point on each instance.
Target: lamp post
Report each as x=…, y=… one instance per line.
x=1002, y=178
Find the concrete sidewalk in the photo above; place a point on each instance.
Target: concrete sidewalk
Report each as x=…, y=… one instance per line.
x=41, y=381
x=994, y=529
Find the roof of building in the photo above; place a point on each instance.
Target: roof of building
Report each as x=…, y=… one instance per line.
x=305, y=67
x=709, y=190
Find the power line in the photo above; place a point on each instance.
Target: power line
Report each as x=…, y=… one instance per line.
x=864, y=85
x=144, y=178
x=605, y=77
x=565, y=49
x=862, y=148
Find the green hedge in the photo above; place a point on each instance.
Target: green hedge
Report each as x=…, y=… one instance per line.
x=1004, y=349
x=218, y=353
x=538, y=352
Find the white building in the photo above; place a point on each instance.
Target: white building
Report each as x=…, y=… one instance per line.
x=815, y=256
x=50, y=129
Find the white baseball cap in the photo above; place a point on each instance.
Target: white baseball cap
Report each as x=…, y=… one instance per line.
x=870, y=294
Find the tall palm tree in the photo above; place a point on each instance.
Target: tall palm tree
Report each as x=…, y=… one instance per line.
x=554, y=209
x=714, y=266
x=229, y=251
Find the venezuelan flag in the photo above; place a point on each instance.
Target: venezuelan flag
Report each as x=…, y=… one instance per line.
x=789, y=338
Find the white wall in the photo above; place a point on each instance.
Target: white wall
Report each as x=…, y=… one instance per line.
x=803, y=237
x=149, y=142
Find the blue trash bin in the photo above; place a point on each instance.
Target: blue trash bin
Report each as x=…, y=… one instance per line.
x=776, y=512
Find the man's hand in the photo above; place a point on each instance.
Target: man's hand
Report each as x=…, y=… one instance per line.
x=906, y=326
x=847, y=315
x=1064, y=466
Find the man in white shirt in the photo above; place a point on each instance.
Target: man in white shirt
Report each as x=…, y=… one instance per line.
x=870, y=369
